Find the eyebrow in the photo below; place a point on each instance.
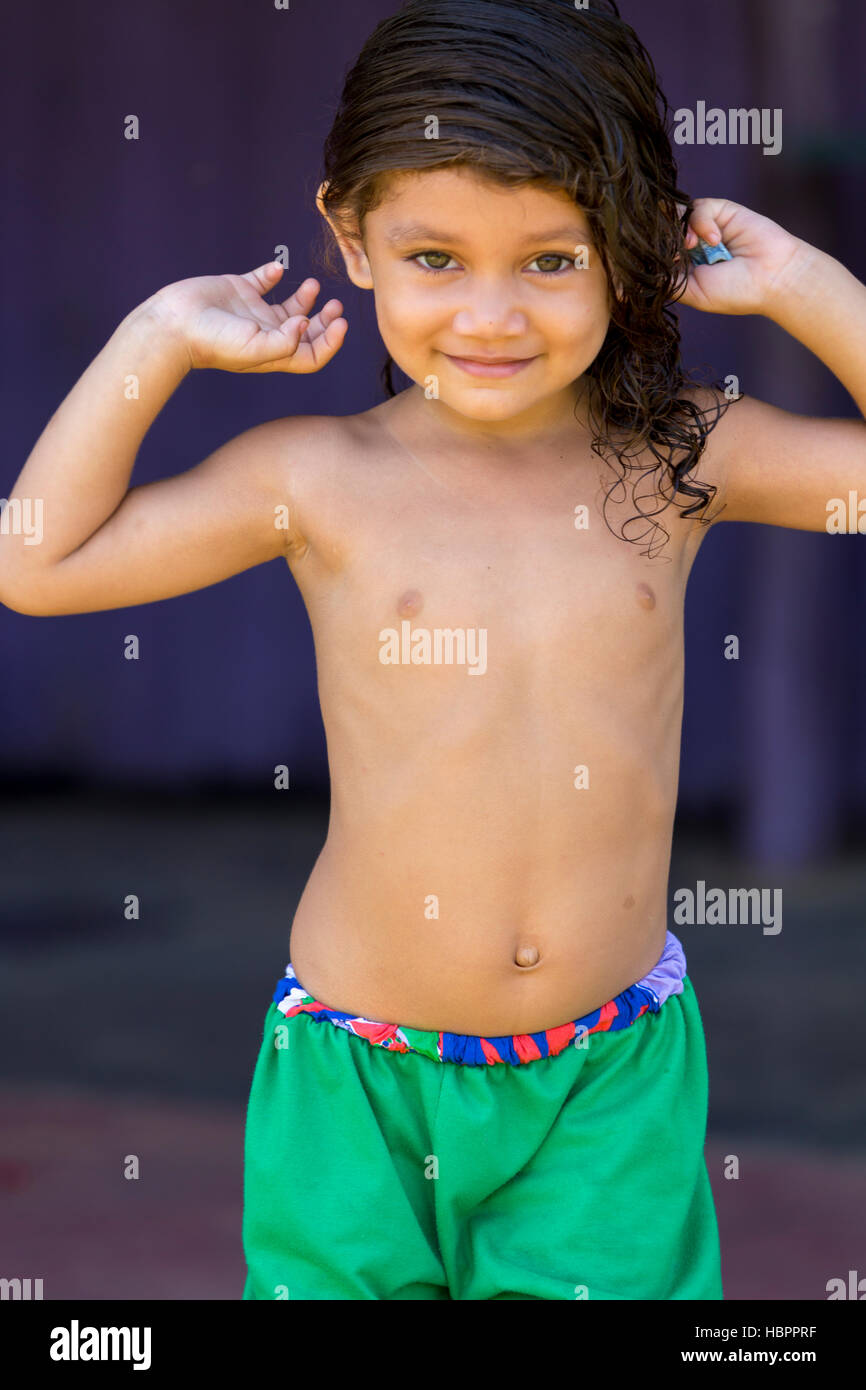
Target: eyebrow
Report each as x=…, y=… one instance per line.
x=416, y=231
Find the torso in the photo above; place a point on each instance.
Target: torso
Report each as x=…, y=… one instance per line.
x=463, y=836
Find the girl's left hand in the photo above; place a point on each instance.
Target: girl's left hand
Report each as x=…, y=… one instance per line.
x=765, y=258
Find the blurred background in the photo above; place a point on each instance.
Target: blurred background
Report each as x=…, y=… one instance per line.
x=155, y=777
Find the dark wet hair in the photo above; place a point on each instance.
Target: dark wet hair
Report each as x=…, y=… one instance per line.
x=539, y=91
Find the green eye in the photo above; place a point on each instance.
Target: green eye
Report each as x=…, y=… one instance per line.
x=552, y=256
x=565, y=262
x=443, y=255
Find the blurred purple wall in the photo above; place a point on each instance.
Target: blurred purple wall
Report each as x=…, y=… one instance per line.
x=234, y=102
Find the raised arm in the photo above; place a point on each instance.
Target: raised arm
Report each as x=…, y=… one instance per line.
x=781, y=469
x=771, y=465
x=100, y=544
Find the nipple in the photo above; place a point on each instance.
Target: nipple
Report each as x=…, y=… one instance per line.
x=409, y=604
x=645, y=596
x=526, y=955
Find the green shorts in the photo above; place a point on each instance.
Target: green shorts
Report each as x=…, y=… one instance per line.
x=372, y=1173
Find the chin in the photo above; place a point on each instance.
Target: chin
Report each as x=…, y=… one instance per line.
x=497, y=400
x=488, y=405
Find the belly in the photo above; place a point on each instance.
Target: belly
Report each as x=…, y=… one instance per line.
x=503, y=887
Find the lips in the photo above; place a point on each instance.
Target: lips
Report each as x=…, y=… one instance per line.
x=488, y=361
x=490, y=366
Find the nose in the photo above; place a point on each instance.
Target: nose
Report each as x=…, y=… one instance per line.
x=489, y=309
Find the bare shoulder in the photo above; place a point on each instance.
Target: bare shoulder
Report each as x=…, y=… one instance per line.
x=319, y=463
x=319, y=451
x=305, y=438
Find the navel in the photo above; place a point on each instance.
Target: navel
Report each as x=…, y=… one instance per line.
x=526, y=955
x=629, y=902
x=409, y=604
x=645, y=596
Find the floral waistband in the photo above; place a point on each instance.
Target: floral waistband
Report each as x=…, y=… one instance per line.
x=648, y=994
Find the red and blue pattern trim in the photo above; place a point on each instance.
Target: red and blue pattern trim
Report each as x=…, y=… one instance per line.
x=647, y=995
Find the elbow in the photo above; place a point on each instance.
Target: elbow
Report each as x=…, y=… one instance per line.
x=28, y=604
x=28, y=586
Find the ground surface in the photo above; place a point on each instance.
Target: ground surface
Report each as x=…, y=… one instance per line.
x=139, y=1037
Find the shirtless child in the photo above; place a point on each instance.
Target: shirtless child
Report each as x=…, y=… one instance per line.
x=513, y=1101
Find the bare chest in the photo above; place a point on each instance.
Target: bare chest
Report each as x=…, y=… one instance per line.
x=448, y=587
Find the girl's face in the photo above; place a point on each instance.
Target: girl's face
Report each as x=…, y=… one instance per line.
x=462, y=269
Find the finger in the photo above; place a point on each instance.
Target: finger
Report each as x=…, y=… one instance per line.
x=315, y=353
x=301, y=302
x=712, y=207
x=326, y=315
x=303, y=299
x=264, y=277
x=328, y=312
x=277, y=344
x=293, y=330
x=325, y=344
x=706, y=228
x=272, y=347
x=710, y=216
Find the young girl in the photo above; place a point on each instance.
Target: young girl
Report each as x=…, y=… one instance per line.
x=483, y=1074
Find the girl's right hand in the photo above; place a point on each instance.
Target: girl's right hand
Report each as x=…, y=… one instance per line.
x=223, y=321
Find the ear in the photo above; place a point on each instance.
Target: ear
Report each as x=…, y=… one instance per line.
x=351, y=248
x=615, y=290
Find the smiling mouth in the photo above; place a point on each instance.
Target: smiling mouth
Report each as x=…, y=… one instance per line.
x=486, y=361
x=490, y=368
